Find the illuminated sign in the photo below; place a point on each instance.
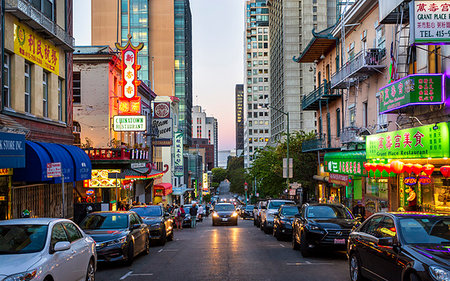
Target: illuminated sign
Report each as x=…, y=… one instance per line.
x=162, y=110
x=89, y=192
x=178, y=158
x=36, y=49
x=410, y=181
x=339, y=179
x=205, y=182
x=100, y=179
x=429, y=22
x=129, y=123
x=130, y=102
x=6, y=172
x=424, y=180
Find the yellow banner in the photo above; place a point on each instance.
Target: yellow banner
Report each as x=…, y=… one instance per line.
x=34, y=48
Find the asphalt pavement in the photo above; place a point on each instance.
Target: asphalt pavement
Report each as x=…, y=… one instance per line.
x=240, y=252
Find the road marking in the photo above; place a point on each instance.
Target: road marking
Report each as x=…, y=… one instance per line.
x=282, y=245
x=308, y=263
x=126, y=275
x=160, y=250
x=142, y=274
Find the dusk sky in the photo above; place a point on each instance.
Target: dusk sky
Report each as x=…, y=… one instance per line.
x=218, y=59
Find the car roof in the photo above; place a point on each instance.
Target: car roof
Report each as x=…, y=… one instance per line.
x=224, y=204
x=414, y=214
x=324, y=204
x=145, y=206
x=38, y=221
x=111, y=212
x=280, y=200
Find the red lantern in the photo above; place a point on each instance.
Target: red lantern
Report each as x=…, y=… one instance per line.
x=408, y=168
x=379, y=167
x=445, y=171
x=417, y=169
x=368, y=166
x=387, y=168
x=428, y=169
x=397, y=166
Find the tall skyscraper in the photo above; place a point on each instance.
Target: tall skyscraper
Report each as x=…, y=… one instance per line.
x=239, y=99
x=291, y=23
x=256, y=102
x=165, y=28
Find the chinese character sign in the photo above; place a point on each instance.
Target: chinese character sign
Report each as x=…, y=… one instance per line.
x=178, y=154
x=430, y=21
x=346, y=163
x=36, y=49
x=421, y=142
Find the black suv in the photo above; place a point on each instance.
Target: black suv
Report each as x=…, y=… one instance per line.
x=159, y=222
x=322, y=225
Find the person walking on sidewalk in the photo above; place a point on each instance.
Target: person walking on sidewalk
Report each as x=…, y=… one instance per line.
x=193, y=213
x=179, y=213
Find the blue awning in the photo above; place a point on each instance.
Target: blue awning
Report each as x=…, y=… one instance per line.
x=59, y=154
x=12, y=150
x=36, y=159
x=81, y=162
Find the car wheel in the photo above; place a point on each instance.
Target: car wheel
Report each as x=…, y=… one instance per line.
x=236, y=223
x=266, y=229
x=306, y=252
x=277, y=235
x=295, y=245
x=90, y=274
x=261, y=225
x=162, y=239
x=130, y=255
x=414, y=277
x=355, y=268
x=254, y=221
x=147, y=246
x=170, y=237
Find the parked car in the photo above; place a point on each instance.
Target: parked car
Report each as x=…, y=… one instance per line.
x=260, y=206
x=224, y=213
x=247, y=212
x=119, y=236
x=187, y=208
x=159, y=222
x=401, y=246
x=45, y=249
x=282, y=223
x=268, y=214
x=322, y=225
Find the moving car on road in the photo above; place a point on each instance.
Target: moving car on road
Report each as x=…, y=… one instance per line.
x=224, y=213
x=159, y=222
x=45, y=249
x=322, y=225
x=247, y=211
x=267, y=215
x=401, y=246
x=119, y=236
x=282, y=223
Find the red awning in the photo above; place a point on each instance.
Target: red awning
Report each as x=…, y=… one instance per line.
x=167, y=187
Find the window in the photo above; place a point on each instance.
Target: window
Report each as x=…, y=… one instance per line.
x=27, y=87
x=58, y=235
x=352, y=115
x=370, y=226
x=314, y=18
x=314, y=9
x=386, y=228
x=60, y=99
x=6, y=80
x=133, y=220
x=72, y=232
x=381, y=38
x=45, y=6
x=381, y=118
x=76, y=87
x=45, y=94
x=365, y=114
x=338, y=122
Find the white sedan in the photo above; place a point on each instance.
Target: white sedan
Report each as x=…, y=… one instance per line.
x=45, y=249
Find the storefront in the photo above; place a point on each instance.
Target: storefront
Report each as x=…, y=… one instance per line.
x=408, y=168
x=162, y=192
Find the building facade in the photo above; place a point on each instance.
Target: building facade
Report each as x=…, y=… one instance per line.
x=239, y=107
x=256, y=100
x=205, y=127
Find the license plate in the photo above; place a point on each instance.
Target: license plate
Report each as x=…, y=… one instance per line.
x=339, y=241
x=224, y=219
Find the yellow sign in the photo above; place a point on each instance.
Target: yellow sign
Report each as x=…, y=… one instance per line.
x=100, y=179
x=34, y=48
x=2, y=198
x=6, y=172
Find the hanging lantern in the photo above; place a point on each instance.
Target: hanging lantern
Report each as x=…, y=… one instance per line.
x=397, y=166
x=379, y=167
x=417, y=169
x=408, y=168
x=428, y=169
x=445, y=171
x=368, y=166
x=387, y=168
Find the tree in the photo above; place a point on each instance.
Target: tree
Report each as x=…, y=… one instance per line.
x=236, y=174
x=218, y=174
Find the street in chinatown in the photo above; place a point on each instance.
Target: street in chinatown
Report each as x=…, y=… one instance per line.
x=240, y=252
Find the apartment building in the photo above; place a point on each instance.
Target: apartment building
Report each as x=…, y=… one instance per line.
x=239, y=108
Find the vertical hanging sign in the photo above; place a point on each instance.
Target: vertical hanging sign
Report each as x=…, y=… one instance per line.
x=178, y=169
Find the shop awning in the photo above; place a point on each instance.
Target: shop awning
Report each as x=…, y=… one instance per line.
x=167, y=187
x=36, y=159
x=320, y=178
x=346, y=163
x=132, y=174
x=59, y=154
x=81, y=162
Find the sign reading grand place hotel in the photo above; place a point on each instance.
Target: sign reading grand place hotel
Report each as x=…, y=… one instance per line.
x=430, y=21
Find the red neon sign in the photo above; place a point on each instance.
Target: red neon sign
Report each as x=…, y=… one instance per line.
x=130, y=102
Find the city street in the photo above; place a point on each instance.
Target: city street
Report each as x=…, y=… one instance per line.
x=227, y=253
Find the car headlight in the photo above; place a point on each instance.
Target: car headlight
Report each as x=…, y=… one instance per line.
x=23, y=276
x=439, y=273
x=215, y=215
x=234, y=214
x=118, y=241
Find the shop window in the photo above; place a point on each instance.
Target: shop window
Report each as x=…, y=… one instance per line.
x=76, y=87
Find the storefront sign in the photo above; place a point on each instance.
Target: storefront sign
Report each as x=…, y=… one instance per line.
x=54, y=170
x=430, y=21
x=129, y=123
x=100, y=178
x=36, y=49
x=164, y=128
x=89, y=192
x=421, y=142
x=347, y=163
x=424, y=180
x=339, y=179
x=415, y=89
x=12, y=150
x=6, y=172
x=410, y=181
x=162, y=110
x=205, y=182
x=178, y=158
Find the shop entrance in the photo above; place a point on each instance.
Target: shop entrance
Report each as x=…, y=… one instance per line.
x=4, y=188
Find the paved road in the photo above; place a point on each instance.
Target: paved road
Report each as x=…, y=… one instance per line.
x=240, y=252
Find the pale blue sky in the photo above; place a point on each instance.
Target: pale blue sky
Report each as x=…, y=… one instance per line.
x=218, y=59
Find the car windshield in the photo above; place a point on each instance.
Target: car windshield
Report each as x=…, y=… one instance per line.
x=249, y=207
x=426, y=230
x=154, y=211
x=290, y=211
x=105, y=221
x=227, y=207
x=277, y=204
x=22, y=239
x=328, y=212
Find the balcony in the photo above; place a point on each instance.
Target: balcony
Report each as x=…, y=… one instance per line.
x=352, y=135
x=323, y=93
x=321, y=142
x=364, y=64
x=23, y=10
x=116, y=154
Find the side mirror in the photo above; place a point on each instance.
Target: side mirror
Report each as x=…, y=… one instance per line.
x=135, y=226
x=386, y=241
x=61, y=246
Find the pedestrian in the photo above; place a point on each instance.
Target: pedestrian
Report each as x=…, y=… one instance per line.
x=193, y=213
x=200, y=212
x=360, y=210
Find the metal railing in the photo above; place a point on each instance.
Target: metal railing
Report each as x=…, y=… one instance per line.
x=315, y=95
x=321, y=142
x=351, y=135
x=116, y=154
x=368, y=58
x=26, y=9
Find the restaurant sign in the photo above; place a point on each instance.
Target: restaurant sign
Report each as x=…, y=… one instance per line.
x=415, y=89
x=430, y=21
x=346, y=163
x=430, y=141
x=178, y=158
x=129, y=123
x=339, y=179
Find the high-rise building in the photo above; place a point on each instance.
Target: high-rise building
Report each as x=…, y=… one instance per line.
x=291, y=23
x=165, y=28
x=257, y=119
x=212, y=130
x=205, y=127
x=239, y=99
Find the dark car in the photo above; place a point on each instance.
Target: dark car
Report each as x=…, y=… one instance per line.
x=160, y=223
x=247, y=212
x=282, y=223
x=401, y=246
x=187, y=217
x=322, y=225
x=119, y=236
x=224, y=213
